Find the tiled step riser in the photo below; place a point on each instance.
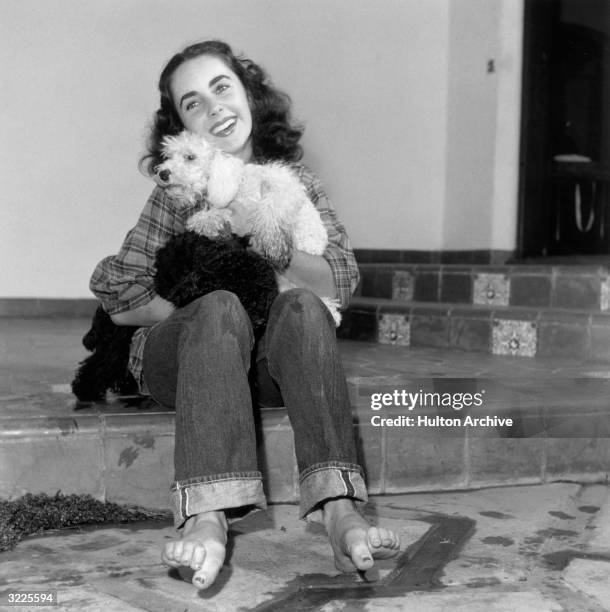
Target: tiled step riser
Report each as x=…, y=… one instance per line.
x=519, y=332
x=540, y=287
x=134, y=464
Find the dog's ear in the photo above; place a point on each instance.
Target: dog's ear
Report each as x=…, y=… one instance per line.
x=224, y=179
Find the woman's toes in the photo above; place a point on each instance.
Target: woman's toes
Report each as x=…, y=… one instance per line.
x=198, y=557
x=168, y=555
x=361, y=556
x=187, y=553
x=177, y=552
x=379, y=537
x=374, y=537
x=386, y=538
x=212, y=563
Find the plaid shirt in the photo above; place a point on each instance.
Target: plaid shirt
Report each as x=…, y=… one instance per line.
x=126, y=281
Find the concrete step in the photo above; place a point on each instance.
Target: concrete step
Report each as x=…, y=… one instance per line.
x=122, y=450
x=525, y=331
x=531, y=286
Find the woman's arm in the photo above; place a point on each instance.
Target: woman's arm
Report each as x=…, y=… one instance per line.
x=125, y=282
x=311, y=272
x=158, y=309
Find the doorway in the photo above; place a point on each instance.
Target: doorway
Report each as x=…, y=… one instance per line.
x=564, y=192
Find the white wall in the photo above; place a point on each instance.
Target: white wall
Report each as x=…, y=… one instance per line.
x=484, y=124
x=377, y=83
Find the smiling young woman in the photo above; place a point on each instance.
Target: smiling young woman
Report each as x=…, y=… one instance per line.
x=197, y=359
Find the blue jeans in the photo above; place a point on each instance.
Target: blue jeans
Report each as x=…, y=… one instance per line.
x=198, y=362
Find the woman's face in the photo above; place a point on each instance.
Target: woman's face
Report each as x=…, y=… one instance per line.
x=212, y=102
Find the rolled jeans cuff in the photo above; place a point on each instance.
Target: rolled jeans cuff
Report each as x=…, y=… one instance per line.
x=331, y=480
x=219, y=492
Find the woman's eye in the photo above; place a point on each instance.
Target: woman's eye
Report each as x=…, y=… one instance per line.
x=221, y=88
x=192, y=105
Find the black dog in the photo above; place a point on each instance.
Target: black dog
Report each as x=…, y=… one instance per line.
x=187, y=267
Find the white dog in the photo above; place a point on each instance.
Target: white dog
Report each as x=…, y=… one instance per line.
x=280, y=215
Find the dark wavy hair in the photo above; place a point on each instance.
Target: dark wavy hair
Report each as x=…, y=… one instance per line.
x=274, y=135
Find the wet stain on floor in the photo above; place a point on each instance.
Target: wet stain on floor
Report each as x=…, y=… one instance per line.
x=560, y=559
x=128, y=456
x=145, y=440
x=418, y=568
x=551, y=532
x=99, y=543
x=561, y=515
x=67, y=580
x=486, y=581
x=498, y=540
x=494, y=514
x=589, y=509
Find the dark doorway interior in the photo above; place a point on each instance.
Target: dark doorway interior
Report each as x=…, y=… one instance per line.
x=564, y=207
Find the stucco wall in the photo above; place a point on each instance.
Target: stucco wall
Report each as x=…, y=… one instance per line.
x=483, y=127
x=379, y=84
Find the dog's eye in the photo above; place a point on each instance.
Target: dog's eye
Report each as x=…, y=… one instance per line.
x=190, y=157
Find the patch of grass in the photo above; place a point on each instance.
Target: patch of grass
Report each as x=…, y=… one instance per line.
x=35, y=513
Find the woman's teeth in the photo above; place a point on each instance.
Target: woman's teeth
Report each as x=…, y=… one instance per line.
x=224, y=128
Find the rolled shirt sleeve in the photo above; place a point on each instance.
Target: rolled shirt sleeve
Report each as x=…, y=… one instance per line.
x=126, y=280
x=339, y=253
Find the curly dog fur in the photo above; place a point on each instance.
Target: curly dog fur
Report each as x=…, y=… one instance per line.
x=187, y=267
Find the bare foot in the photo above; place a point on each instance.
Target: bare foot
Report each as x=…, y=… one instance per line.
x=354, y=542
x=202, y=547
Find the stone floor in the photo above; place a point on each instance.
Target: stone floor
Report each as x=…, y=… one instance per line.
x=543, y=547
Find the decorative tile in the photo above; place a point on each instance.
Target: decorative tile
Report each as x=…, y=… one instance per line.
x=403, y=286
x=394, y=329
x=605, y=294
x=491, y=289
x=513, y=337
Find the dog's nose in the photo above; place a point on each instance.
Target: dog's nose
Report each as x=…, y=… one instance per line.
x=164, y=175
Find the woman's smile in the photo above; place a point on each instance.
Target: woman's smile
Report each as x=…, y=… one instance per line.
x=211, y=101
x=224, y=127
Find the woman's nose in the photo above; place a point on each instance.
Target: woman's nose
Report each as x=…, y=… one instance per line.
x=215, y=110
